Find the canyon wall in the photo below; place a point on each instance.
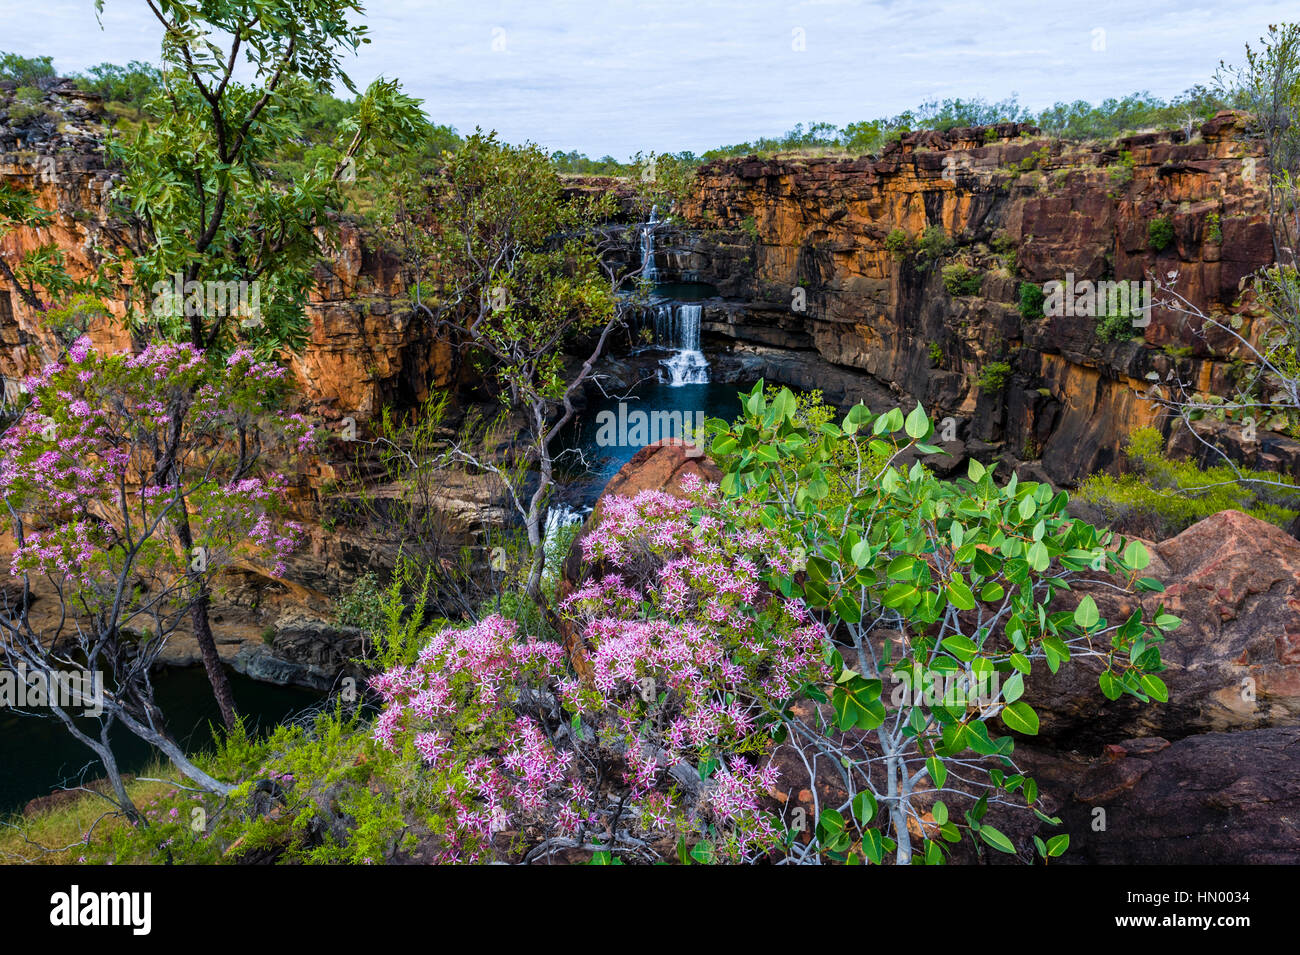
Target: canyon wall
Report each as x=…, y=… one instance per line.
x=799, y=251
x=365, y=347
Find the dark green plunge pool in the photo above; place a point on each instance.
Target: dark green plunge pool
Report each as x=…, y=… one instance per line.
x=37, y=755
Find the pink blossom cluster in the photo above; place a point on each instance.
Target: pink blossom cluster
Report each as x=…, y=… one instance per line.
x=480, y=669
x=88, y=442
x=61, y=553
x=685, y=674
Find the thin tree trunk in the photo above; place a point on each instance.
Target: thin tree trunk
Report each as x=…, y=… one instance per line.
x=174, y=753
x=202, y=628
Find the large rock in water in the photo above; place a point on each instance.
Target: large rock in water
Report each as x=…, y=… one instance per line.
x=1234, y=663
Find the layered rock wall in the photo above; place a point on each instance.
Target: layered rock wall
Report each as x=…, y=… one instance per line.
x=775, y=235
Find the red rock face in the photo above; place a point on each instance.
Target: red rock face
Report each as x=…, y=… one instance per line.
x=1233, y=663
x=365, y=348
x=761, y=230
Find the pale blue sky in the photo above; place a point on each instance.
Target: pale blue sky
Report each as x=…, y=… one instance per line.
x=617, y=76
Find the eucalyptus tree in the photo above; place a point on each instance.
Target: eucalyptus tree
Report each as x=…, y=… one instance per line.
x=202, y=213
x=513, y=272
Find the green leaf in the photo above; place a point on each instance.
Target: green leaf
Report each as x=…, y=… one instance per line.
x=940, y=812
x=873, y=845
x=959, y=595
x=864, y=807
x=963, y=648
x=1038, y=557
x=847, y=609
x=1058, y=844
x=937, y=770
x=1013, y=688
x=997, y=840
x=974, y=470
x=1086, y=615
x=1110, y=687
x=1136, y=556
x=702, y=852
x=917, y=425
x=898, y=595
x=1021, y=717
x=857, y=704
x=1155, y=687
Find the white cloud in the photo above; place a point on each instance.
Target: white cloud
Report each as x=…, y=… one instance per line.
x=617, y=76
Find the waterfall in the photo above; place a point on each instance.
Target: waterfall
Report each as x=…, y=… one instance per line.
x=558, y=517
x=648, y=270
x=678, y=327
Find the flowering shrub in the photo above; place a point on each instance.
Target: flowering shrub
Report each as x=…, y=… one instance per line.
x=130, y=480
x=83, y=462
x=662, y=747
x=738, y=632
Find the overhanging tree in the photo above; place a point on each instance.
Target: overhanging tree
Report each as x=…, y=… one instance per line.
x=199, y=202
x=513, y=272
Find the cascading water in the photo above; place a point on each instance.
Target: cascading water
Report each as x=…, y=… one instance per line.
x=558, y=517
x=676, y=326
x=648, y=270
x=687, y=366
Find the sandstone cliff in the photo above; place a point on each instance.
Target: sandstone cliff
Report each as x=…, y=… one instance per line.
x=1016, y=208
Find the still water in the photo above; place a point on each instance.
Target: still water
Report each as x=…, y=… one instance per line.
x=38, y=755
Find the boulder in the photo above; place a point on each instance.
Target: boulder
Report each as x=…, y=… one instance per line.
x=305, y=651
x=1233, y=664
x=1214, y=798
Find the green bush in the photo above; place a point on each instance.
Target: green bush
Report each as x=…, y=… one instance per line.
x=898, y=243
x=1005, y=247
x=967, y=574
x=1033, y=160
x=26, y=70
x=362, y=605
x=994, y=376
x=936, y=354
x=1161, y=497
x=934, y=244
x=1031, y=301
x=961, y=279
x=1115, y=327
x=27, y=105
x=1213, y=228
x=1160, y=234
x=1121, y=174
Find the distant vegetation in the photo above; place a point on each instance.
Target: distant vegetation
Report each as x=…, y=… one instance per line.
x=131, y=97
x=126, y=90
x=1161, y=497
x=1077, y=120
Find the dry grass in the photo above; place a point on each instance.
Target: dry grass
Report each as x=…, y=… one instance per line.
x=59, y=835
